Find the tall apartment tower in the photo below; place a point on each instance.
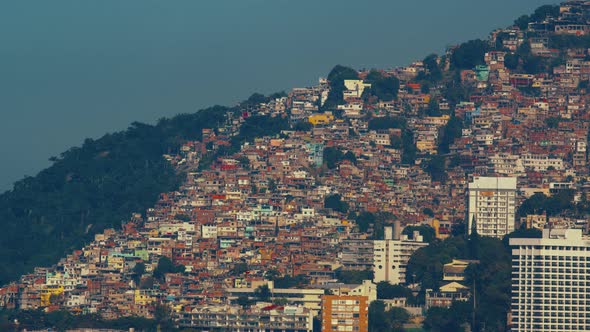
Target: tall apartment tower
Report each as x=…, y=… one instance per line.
x=391, y=256
x=550, y=288
x=491, y=208
x=345, y=313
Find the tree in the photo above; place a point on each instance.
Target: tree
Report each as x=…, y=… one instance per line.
x=381, y=320
x=259, y=126
x=302, y=126
x=491, y=278
x=182, y=217
x=239, y=269
x=440, y=319
x=532, y=205
x=527, y=233
x=522, y=22
x=364, y=220
x=562, y=42
x=554, y=205
x=385, y=290
x=165, y=265
x=146, y=283
x=381, y=219
x=426, y=264
x=138, y=271
x=397, y=317
x=353, y=277
x=409, y=149
x=511, y=61
x=553, y=122
x=427, y=232
x=436, y=168
x=458, y=228
x=395, y=141
x=377, y=318
x=335, y=203
x=163, y=317
x=469, y=54
x=336, y=79
x=452, y=130
x=383, y=87
x=533, y=64
x=387, y=122
x=545, y=11
x=332, y=156
x=434, y=72
x=243, y=301
x=92, y=187
x=262, y=293
x=287, y=281
x=281, y=301
x=255, y=98
x=272, y=185
x=433, y=108
x=350, y=157
x=428, y=212
x=272, y=274
x=244, y=162
x=539, y=15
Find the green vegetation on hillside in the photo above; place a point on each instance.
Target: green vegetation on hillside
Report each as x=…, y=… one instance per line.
x=428, y=233
x=388, y=122
x=62, y=320
x=569, y=41
x=382, y=320
x=336, y=78
x=553, y=205
x=383, y=87
x=491, y=278
x=470, y=54
x=335, y=203
x=91, y=188
x=353, y=277
x=538, y=15
x=451, y=131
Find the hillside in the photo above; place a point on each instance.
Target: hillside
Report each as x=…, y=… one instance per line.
x=331, y=166
x=90, y=188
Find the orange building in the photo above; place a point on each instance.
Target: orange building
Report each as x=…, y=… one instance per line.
x=345, y=313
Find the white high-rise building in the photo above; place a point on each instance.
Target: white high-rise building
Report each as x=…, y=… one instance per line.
x=550, y=285
x=391, y=256
x=492, y=206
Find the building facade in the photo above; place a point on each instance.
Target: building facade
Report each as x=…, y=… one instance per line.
x=255, y=319
x=345, y=313
x=491, y=207
x=357, y=255
x=391, y=256
x=550, y=288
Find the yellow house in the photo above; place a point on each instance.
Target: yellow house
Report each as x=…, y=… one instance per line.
x=47, y=292
x=436, y=225
x=426, y=146
x=116, y=262
x=319, y=119
x=438, y=120
x=142, y=297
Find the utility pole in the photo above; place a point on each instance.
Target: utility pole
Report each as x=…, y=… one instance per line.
x=474, y=308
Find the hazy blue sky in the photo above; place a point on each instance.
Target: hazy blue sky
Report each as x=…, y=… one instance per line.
x=76, y=69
